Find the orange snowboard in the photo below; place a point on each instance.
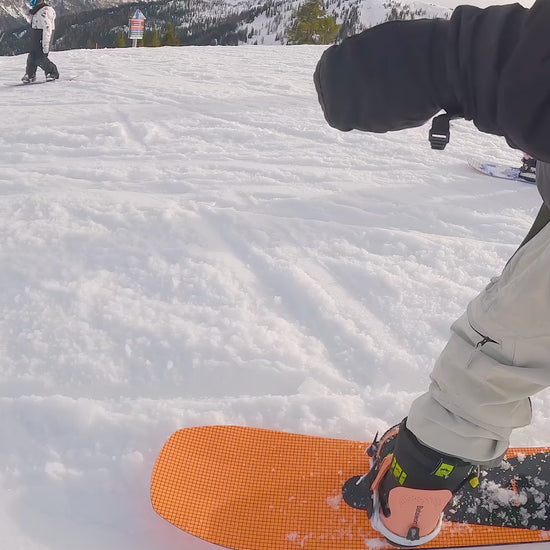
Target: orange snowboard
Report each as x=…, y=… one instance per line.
x=253, y=489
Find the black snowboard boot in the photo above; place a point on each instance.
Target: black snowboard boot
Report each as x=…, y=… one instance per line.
x=528, y=170
x=53, y=73
x=408, y=487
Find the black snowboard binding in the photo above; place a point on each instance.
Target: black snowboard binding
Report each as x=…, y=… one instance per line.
x=528, y=170
x=407, y=488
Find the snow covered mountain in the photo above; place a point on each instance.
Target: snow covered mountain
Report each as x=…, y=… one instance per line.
x=268, y=27
x=13, y=12
x=205, y=22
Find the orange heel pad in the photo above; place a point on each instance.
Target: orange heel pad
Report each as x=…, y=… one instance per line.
x=415, y=508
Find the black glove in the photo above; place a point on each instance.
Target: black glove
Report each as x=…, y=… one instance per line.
x=389, y=77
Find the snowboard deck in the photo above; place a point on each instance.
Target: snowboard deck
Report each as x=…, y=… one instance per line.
x=255, y=489
x=496, y=170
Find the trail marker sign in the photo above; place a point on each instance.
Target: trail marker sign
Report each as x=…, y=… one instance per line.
x=137, y=27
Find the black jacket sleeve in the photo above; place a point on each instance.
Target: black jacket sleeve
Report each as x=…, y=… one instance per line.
x=490, y=65
x=524, y=92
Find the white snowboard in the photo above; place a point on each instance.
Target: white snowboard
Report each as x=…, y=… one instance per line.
x=498, y=170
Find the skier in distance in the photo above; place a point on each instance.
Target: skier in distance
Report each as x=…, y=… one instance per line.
x=42, y=29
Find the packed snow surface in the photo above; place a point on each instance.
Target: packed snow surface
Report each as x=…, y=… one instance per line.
x=185, y=241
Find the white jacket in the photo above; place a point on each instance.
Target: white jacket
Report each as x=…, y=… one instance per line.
x=44, y=19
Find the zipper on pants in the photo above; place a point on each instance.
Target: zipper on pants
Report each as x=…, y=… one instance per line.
x=484, y=339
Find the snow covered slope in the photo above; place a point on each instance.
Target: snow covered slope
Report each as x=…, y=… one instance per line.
x=185, y=241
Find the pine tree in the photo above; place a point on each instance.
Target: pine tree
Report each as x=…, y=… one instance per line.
x=170, y=37
x=151, y=39
x=120, y=40
x=155, y=39
x=312, y=25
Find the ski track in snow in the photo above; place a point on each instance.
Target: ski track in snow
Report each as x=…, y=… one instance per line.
x=185, y=241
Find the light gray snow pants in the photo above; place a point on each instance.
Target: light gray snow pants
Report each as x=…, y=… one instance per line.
x=498, y=355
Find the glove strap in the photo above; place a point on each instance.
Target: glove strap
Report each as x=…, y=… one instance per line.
x=440, y=132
